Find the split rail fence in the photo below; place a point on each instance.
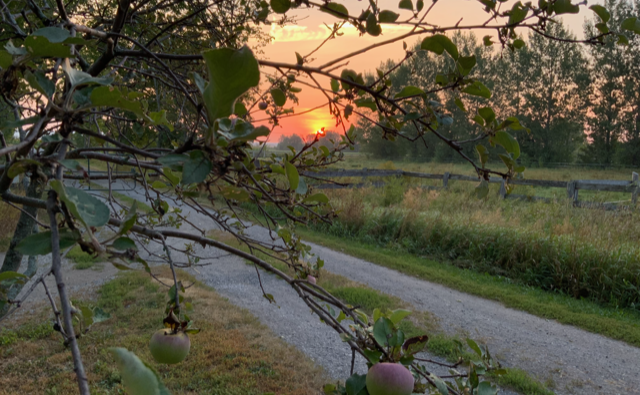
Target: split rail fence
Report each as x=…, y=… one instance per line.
x=572, y=187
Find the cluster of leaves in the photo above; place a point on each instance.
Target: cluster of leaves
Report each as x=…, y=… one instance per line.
x=384, y=341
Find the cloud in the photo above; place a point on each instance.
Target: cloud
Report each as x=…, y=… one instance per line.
x=296, y=33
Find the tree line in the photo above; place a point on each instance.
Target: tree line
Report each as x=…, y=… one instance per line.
x=579, y=104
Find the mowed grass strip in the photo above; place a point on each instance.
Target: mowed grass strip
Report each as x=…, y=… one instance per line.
x=614, y=323
x=418, y=323
x=234, y=354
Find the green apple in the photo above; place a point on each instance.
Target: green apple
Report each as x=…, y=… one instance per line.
x=167, y=347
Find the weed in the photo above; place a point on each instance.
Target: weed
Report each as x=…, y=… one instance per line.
x=81, y=259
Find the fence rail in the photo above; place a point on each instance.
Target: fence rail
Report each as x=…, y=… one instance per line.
x=572, y=187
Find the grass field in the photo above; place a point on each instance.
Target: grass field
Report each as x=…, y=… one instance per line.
x=585, y=253
x=233, y=354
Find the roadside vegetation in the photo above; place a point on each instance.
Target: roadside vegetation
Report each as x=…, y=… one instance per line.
x=233, y=354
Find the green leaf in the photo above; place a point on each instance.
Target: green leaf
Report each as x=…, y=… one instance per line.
x=124, y=243
x=487, y=114
x=130, y=220
x=235, y=193
x=240, y=109
x=240, y=131
x=398, y=315
x=474, y=346
x=419, y=5
x=4, y=276
x=6, y=59
x=406, y=5
x=487, y=41
x=100, y=315
x=280, y=6
x=292, y=176
x=302, y=187
x=383, y=331
x=440, y=384
x=438, y=43
x=231, y=74
x=565, y=7
x=356, y=383
x=335, y=85
x=485, y=388
x=335, y=9
x=40, y=82
x=467, y=63
x=88, y=209
x=71, y=164
x=277, y=169
x=372, y=356
x=387, y=16
x=77, y=77
x=483, y=154
x=137, y=377
x=278, y=97
x=601, y=12
x=477, y=88
x=482, y=190
x=40, y=243
x=460, y=104
x=39, y=46
x=367, y=103
x=53, y=34
x=415, y=345
x=631, y=24
x=372, y=26
x=518, y=43
x=21, y=166
x=507, y=141
x=317, y=197
x=109, y=96
x=160, y=118
x=517, y=13
x=622, y=40
x=299, y=59
x=409, y=91
x=173, y=161
x=196, y=168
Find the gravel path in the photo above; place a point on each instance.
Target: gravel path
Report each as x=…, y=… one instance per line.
x=576, y=361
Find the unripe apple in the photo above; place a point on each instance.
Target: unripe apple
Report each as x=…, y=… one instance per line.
x=389, y=379
x=168, y=347
x=262, y=105
x=311, y=279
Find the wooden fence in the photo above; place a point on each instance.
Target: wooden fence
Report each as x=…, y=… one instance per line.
x=572, y=187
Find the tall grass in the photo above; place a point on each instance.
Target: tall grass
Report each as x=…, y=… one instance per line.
x=583, y=253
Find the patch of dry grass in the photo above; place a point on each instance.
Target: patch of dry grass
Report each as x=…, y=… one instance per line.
x=234, y=353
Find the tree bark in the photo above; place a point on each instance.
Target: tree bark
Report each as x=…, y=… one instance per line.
x=56, y=269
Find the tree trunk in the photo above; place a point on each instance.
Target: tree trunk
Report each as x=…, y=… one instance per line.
x=24, y=228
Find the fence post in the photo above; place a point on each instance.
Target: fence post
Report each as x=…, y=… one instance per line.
x=503, y=189
x=445, y=180
x=634, y=194
x=572, y=191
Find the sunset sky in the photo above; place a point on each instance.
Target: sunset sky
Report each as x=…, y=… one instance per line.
x=310, y=32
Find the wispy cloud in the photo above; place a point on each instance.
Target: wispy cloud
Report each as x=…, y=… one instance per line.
x=295, y=33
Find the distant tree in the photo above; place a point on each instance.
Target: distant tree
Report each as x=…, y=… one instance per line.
x=614, y=103
x=545, y=85
x=292, y=140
